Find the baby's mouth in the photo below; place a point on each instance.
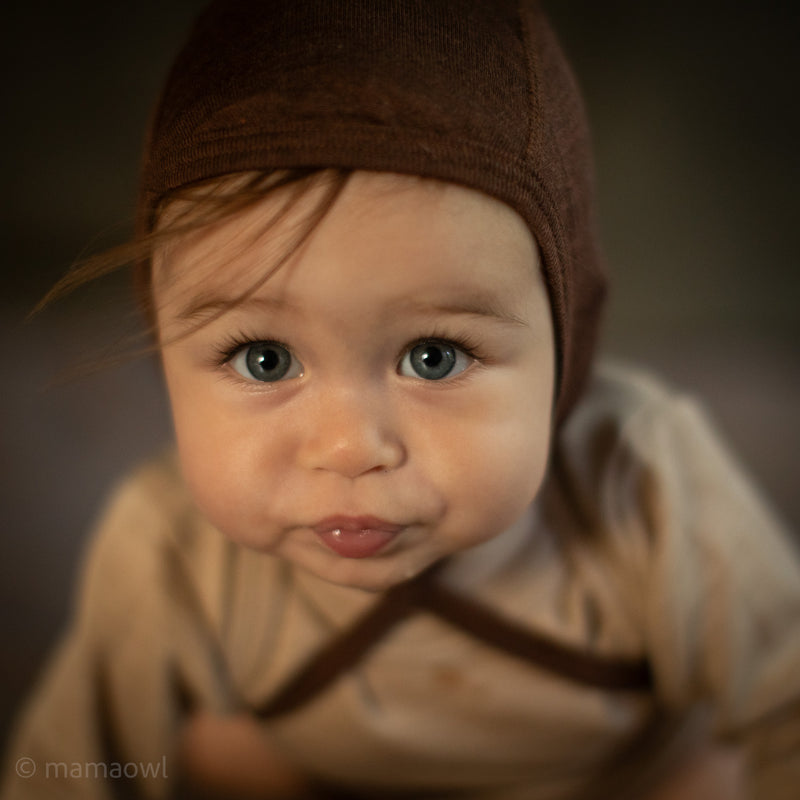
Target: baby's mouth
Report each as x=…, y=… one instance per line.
x=356, y=537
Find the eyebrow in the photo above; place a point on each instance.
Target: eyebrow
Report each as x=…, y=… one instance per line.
x=213, y=305
x=477, y=305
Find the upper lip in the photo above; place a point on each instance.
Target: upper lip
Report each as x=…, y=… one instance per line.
x=342, y=522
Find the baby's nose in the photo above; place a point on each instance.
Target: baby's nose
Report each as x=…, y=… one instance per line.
x=351, y=432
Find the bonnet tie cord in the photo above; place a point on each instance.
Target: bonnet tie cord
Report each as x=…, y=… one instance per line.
x=423, y=593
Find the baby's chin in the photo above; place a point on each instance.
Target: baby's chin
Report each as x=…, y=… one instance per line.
x=373, y=575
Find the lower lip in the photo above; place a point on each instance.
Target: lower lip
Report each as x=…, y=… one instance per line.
x=356, y=542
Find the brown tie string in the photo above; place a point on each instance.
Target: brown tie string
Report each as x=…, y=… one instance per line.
x=425, y=594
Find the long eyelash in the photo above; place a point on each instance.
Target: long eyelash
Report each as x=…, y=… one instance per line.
x=232, y=343
x=462, y=340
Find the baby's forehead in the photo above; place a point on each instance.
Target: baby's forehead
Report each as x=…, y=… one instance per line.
x=377, y=260
x=363, y=210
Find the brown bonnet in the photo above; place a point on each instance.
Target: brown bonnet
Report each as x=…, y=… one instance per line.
x=476, y=92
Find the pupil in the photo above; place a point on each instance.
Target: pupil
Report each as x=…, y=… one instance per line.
x=268, y=361
x=432, y=357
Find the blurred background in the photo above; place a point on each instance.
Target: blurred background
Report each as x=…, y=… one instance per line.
x=695, y=114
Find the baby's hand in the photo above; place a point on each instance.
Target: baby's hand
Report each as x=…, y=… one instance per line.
x=231, y=757
x=714, y=773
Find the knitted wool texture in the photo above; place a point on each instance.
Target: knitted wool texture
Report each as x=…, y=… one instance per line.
x=476, y=92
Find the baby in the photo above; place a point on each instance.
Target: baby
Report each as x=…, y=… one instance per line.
x=413, y=542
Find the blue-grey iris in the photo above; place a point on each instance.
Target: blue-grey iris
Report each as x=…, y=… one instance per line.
x=267, y=361
x=433, y=360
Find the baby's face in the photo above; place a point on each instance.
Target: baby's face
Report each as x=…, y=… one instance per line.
x=384, y=399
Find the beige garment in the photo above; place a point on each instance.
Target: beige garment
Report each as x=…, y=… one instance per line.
x=645, y=541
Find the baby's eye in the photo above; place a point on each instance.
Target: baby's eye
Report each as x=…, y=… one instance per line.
x=433, y=360
x=266, y=361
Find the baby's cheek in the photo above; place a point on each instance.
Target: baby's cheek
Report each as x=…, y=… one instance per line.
x=502, y=477
x=210, y=474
